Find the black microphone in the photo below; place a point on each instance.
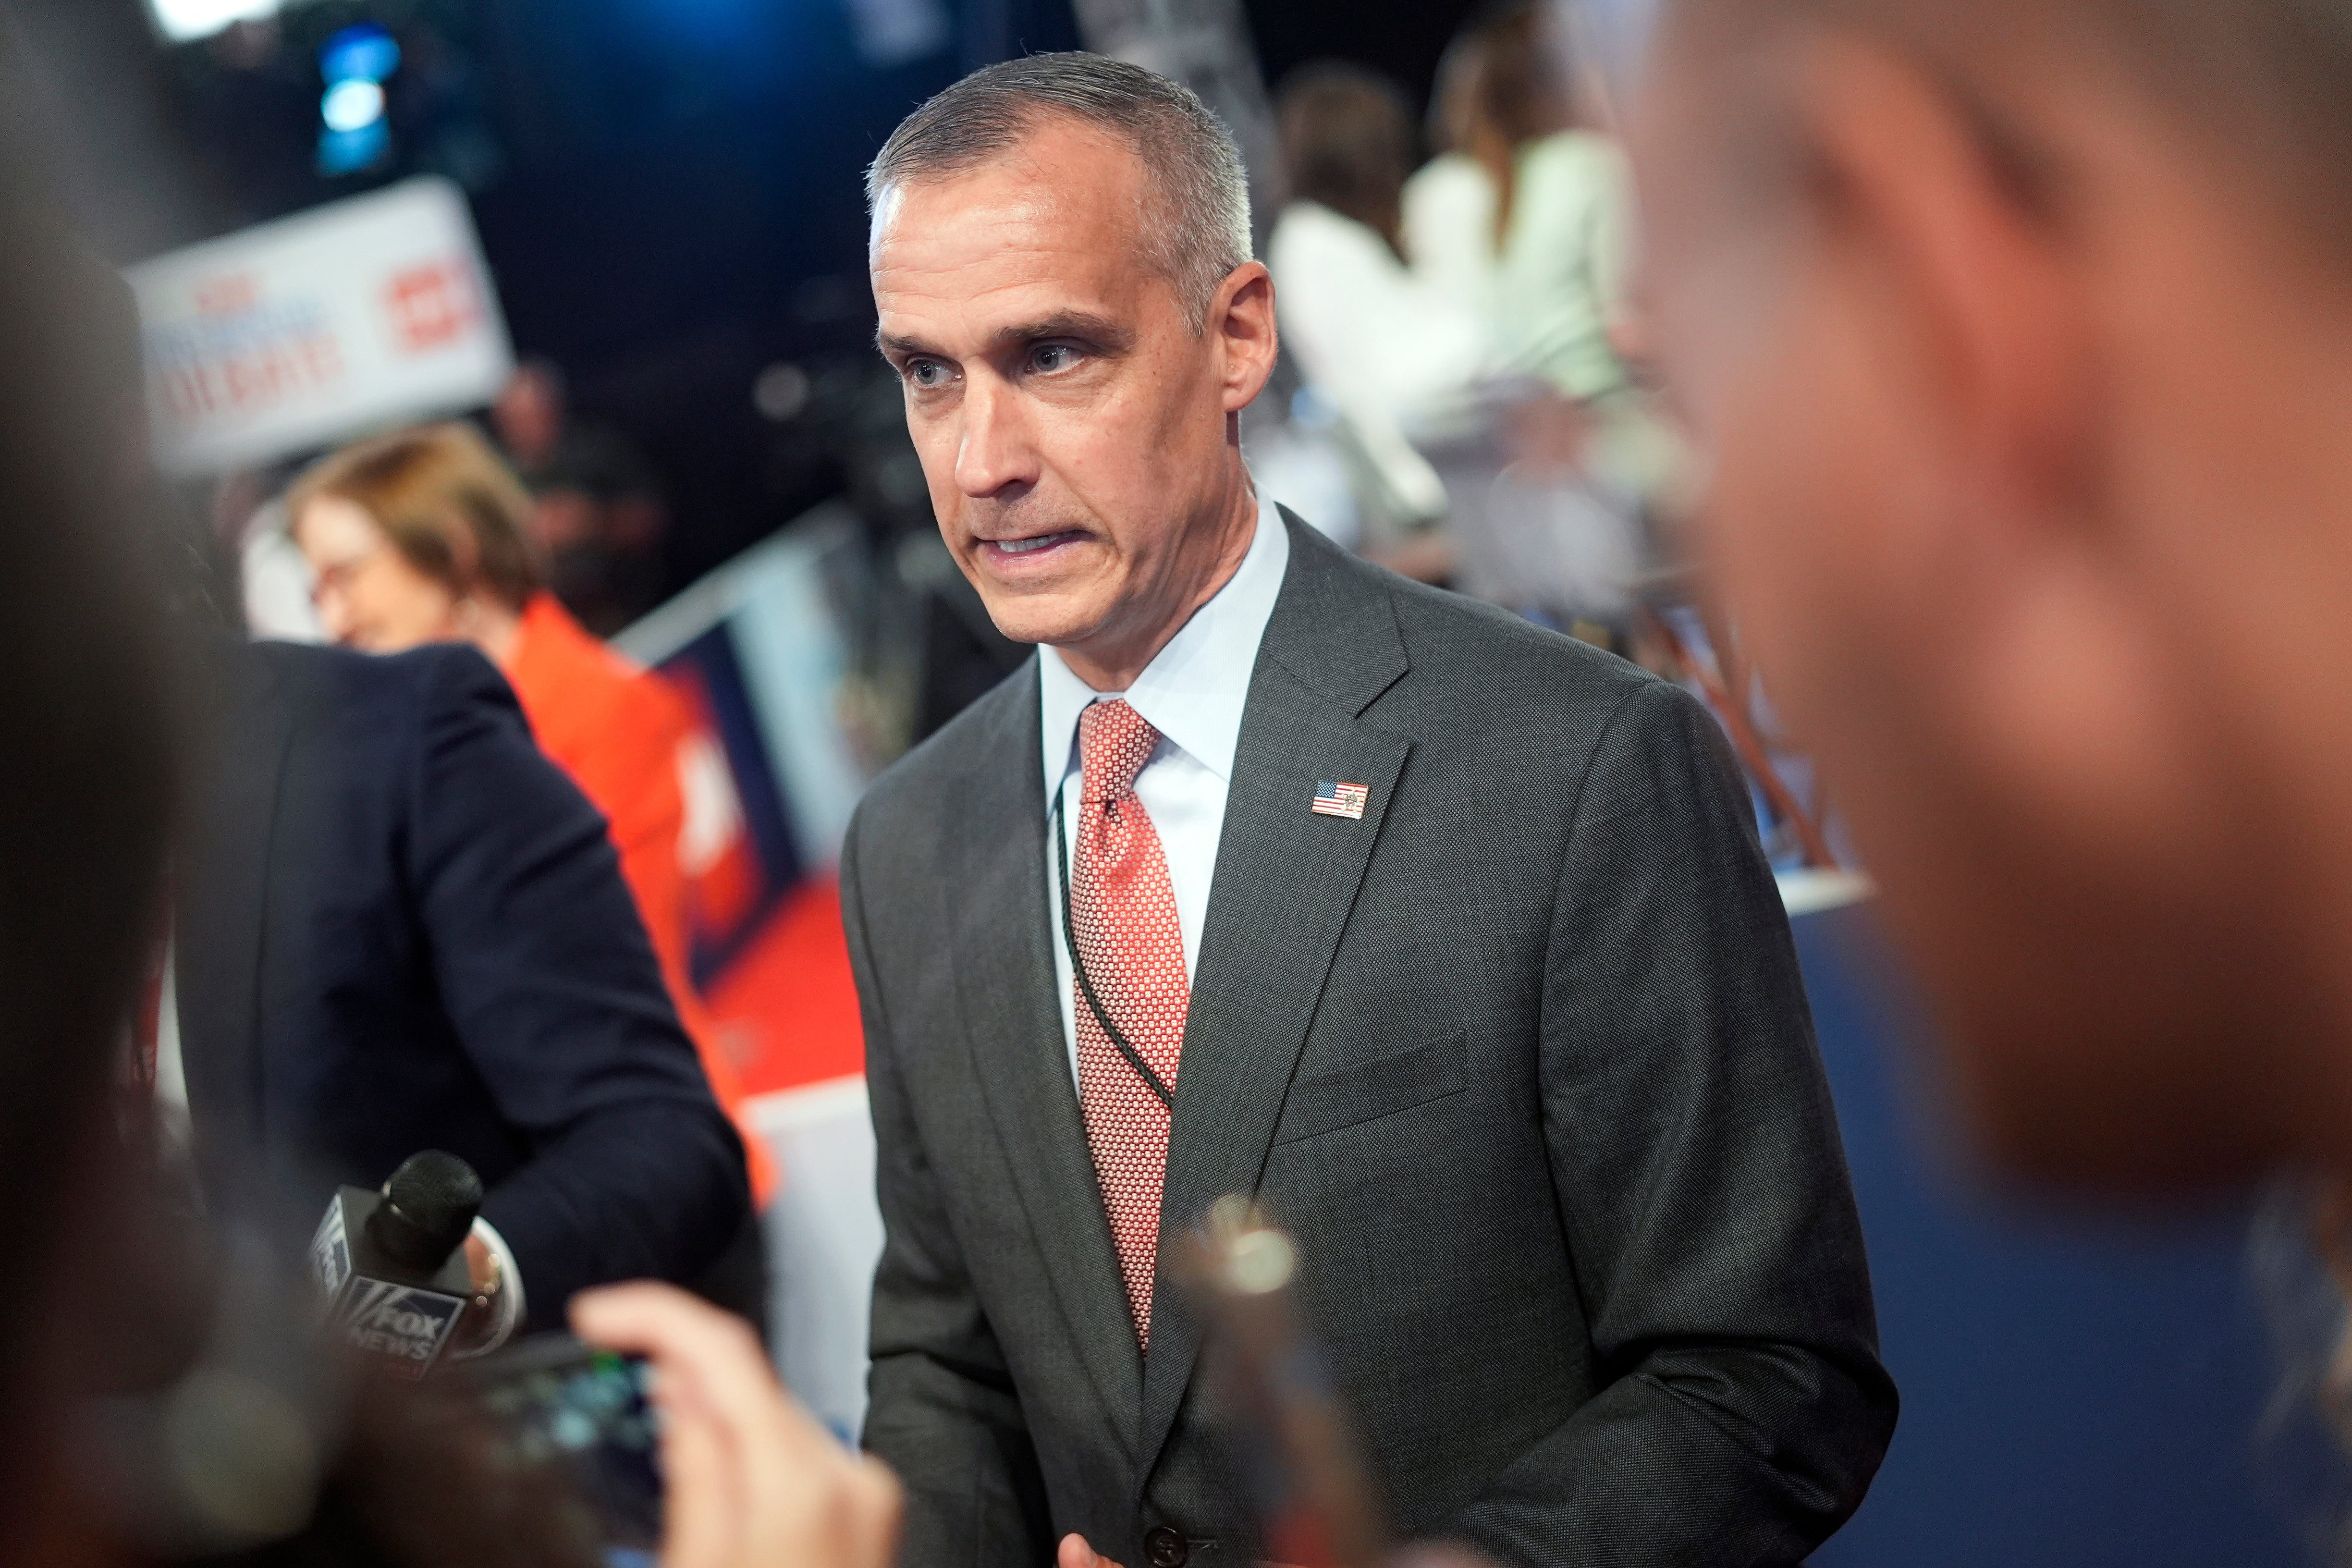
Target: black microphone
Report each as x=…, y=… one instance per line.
x=392, y=1264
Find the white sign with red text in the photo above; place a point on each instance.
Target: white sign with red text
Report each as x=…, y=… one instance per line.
x=331, y=324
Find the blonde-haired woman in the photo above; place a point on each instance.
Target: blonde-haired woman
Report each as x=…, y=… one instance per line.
x=418, y=537
x=1525, y=213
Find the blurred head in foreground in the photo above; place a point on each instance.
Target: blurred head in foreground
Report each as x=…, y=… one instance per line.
x=1061, y=264
x=128, y=1435
x=2021, y=337
x=416, y=537
x=83, y=801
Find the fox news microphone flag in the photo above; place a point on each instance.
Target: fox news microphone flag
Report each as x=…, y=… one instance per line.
x=392, y=1264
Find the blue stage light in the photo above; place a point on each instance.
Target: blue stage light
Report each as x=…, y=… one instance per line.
x=352, y=152
x=352, y=105
x=361, y=53
x=354, y=135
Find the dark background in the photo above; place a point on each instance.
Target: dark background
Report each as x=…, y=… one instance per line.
x=668, y=191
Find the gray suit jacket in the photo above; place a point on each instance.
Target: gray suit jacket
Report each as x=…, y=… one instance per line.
x=1522, y=1057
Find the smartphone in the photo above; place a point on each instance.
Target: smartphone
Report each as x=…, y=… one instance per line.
x=579, y=1416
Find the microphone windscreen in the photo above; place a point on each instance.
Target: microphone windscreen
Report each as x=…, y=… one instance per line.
x=429, y=1206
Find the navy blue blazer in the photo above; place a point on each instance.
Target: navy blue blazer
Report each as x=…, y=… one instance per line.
x=401, y=927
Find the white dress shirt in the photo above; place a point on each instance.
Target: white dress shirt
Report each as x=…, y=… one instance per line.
x=1192, y=693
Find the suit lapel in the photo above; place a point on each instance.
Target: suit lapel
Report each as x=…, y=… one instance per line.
x=1006, y=982
x=1284, y=882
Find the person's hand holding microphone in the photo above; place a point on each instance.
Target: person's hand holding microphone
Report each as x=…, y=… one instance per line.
x=751, y=1481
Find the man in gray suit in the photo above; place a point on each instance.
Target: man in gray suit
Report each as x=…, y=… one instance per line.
x=1447, y=938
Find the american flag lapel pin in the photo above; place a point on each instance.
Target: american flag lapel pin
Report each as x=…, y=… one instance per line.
x=1341, y=800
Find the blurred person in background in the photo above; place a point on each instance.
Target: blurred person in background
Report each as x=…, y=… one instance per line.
x=102, y=1324
x=400, y=926
x=2018, y=336
x=1395, y=357
x=1378, y=340
x=596, y=513
x=1524, y=217
x=421, y=536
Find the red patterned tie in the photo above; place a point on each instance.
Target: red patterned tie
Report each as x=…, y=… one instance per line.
x=1124, y=912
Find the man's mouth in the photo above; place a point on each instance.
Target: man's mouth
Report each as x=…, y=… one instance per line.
x=1030, y=546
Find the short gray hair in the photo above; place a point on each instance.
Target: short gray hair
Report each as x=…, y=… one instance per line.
x=1202, y=229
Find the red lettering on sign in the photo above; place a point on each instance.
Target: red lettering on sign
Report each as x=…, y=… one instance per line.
x=432, y=305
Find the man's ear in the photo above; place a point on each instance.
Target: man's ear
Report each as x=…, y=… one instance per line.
x=1976, y=279
x=1242, y=315
x=1981, y=296
x=1980, y=302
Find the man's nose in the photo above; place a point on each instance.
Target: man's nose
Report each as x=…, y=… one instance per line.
x=994, y=449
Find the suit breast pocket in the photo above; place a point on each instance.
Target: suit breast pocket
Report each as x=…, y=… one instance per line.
x=1366, y=1092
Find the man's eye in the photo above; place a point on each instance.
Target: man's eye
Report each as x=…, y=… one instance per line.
x=925, y=371
x=1053, y=357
